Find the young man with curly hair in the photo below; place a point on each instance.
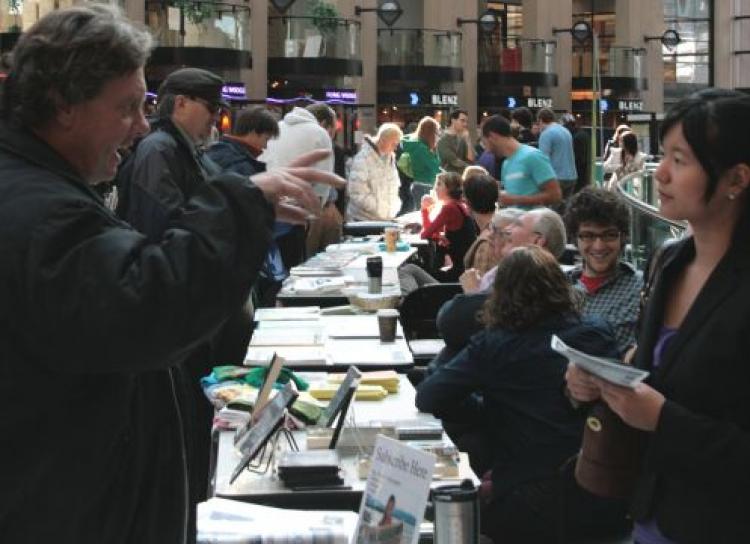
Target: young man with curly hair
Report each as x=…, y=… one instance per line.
x=599, y=221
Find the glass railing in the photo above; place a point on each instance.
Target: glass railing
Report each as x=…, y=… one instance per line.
x=419, y=47
x=313, y=37
x=619, y=61
x=208, y=24
x=648, y=228
x=516, y=55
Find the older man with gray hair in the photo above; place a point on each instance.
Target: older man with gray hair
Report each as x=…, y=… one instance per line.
x=94, y=314
x=457, y=320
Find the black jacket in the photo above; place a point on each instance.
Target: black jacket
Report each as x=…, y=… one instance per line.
x=531, y=424
x=696, y=469
x=162, y=173
x=92, y=316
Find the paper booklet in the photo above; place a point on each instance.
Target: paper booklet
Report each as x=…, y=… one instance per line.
x=610, y=370
x=295, y=356
x=312, y=336
x=303, y=313
x=223, y=520
x=395, y=495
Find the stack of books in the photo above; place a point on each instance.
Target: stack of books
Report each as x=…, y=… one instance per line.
x=311, y=469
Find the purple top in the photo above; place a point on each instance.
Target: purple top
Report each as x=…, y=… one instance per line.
x=647, y=532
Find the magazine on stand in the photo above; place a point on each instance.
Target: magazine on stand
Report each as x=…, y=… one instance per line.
x=609, y=370
x=395, y=495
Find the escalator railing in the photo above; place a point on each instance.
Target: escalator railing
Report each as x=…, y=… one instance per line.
x=648, y=228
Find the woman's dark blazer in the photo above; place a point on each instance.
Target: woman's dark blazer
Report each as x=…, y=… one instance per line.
x=695, y=475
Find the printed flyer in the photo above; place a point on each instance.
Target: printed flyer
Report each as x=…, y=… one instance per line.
x=396, y=494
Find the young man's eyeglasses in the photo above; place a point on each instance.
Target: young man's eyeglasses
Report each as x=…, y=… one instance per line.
x=588, y=237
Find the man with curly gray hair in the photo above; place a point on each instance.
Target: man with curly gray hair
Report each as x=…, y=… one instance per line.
x=93, y=315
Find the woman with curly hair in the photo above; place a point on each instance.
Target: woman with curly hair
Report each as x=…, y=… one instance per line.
x=510, y=379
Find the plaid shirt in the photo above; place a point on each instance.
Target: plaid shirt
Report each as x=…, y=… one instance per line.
x=617, y=301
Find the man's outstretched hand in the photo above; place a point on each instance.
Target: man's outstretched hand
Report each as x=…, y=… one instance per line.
x=289, y=189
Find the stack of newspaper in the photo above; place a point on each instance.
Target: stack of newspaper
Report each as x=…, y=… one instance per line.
x=222, y=521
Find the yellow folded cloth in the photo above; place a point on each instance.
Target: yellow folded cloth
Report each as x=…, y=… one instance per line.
x=326, y=391
x=387, y=379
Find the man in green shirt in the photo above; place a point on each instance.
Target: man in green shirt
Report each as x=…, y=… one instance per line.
x=454, y=147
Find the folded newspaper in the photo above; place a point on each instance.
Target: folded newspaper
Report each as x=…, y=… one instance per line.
x=223, y=521
x=609, y=370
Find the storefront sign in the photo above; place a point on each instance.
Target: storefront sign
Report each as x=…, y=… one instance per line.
x=444, y=99
x=418, y=99
x=630, y=105
x=538, y=102
x=532, y=102
x=234, y=90
x=610, y=104
x=342, y=95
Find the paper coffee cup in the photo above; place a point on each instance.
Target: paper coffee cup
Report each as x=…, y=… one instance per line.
x=387, y=320
x=391, y=236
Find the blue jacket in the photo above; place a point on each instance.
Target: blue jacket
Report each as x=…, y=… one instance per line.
x=532, y=426
x=232, y=156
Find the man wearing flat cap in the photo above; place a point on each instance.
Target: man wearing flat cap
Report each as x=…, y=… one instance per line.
x=167, y=166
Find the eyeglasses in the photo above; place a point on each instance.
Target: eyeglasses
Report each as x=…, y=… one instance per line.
x=500, y=234
x=606, y=236
x=212, y=107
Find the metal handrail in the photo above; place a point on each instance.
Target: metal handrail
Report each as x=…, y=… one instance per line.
x=644, y=207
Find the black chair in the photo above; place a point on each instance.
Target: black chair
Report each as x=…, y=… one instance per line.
x=419, y=309
x=418, y=315
x=569, y=256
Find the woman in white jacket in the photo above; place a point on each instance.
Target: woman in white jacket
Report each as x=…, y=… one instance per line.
x=373, y=180
x=624, y=160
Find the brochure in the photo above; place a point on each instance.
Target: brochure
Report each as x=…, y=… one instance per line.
x=395, y=495
x=227, y=521
x=610, y=370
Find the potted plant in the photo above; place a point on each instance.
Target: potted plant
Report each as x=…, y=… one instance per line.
x=325, y=17
x=14, y=7
x=195, y=11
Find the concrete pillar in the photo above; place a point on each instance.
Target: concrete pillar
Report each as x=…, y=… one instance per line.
x=256, y=79
x=730, y=35
x=368, y=83
x=539, y=18
x=136, y=10
x=634, y=20
x=442, y=15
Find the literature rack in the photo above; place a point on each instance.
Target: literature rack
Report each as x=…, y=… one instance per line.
x=252, y=441
x=261, y=463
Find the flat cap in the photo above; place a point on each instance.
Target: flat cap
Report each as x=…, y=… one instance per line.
x=195, y=82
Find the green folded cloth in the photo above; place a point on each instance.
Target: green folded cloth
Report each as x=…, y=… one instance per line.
x=305, y=411
x=255, y=377
x=229, y=372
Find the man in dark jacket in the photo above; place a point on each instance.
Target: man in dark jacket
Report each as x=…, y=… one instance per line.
x=168, y=165
x=93, y=315
x=164, y=171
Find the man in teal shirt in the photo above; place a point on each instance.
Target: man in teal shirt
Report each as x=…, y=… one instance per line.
x=527, y=177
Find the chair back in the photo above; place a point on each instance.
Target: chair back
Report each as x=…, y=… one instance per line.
x=418, y=311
